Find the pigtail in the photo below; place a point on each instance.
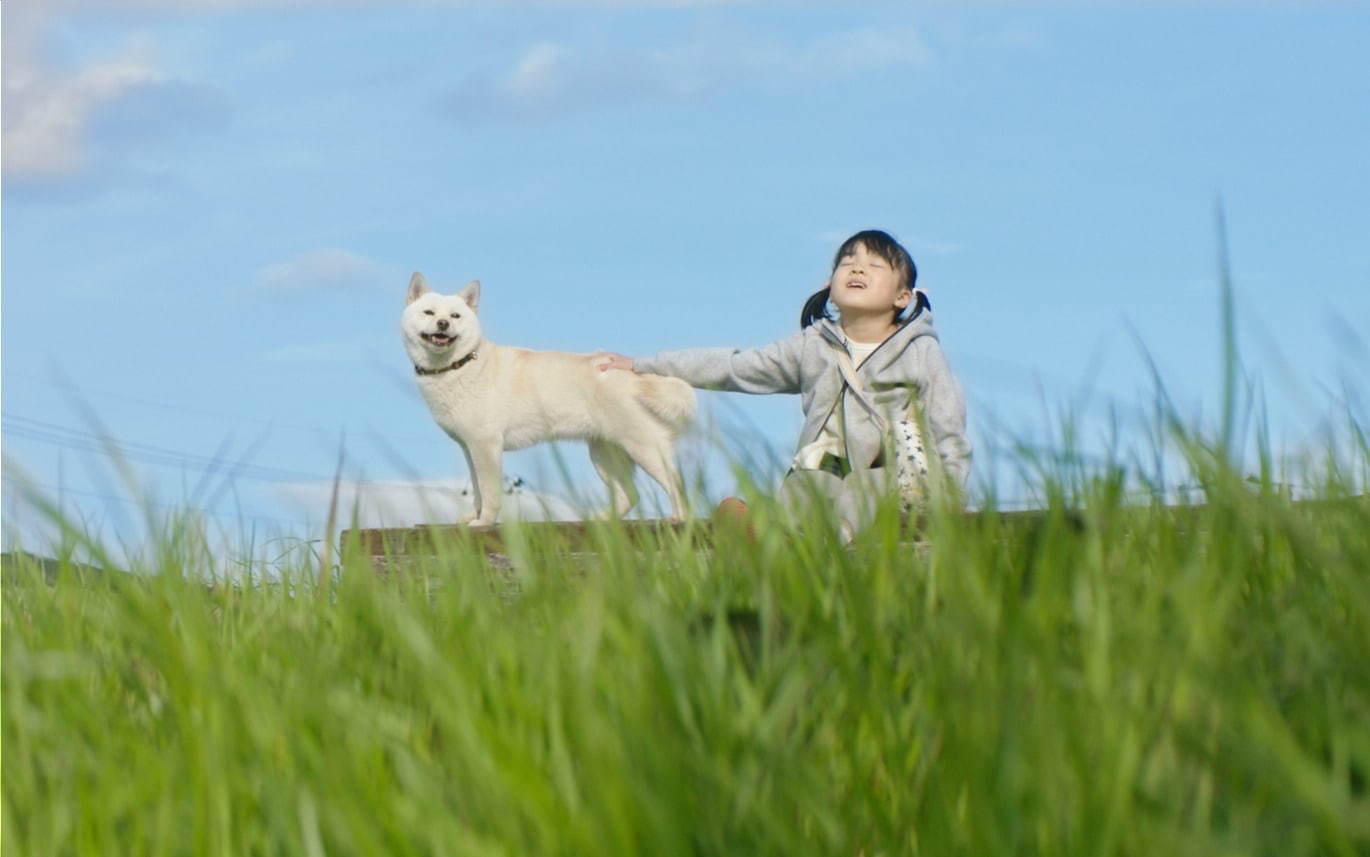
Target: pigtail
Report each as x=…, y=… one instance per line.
x=920, y=305
x=815, y=307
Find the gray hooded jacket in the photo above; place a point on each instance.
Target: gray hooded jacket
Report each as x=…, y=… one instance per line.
x=911, y=359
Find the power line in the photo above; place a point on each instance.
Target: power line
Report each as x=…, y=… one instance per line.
x=206, y=413
x=76, y=439
x=115, y=498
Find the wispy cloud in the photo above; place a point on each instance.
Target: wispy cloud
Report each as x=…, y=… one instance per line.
x=63, y=121
x=328, y=268
x=48, y=111
x=551, y=80
x=217, y=5
x=917, y=245
x=314, y=352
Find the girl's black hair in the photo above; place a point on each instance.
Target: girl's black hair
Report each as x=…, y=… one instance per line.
x=883, y=245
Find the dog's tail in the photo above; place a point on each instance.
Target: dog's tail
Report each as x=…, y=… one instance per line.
x=670, y=400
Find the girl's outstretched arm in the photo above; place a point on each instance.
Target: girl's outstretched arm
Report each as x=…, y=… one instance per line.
x=771, y=368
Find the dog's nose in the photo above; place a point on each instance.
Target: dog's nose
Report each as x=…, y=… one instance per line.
x=443, y=324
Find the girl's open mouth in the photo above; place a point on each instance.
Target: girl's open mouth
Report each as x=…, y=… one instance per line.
x=439, y=339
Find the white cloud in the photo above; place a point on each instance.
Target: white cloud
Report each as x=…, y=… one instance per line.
x=934, y=247
x=328, y=268
x=321, y=352
x=65, y=124
x=870, y=48
x=48, y=110
x=537, y=71
x=549, y=80
x=405, y=504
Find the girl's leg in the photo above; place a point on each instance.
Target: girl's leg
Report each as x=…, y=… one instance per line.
x=861, y=494
x=806, y=495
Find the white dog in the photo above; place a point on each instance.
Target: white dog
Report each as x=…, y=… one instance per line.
x=490, y=398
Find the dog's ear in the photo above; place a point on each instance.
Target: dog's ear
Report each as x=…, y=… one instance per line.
x=418, y=287
x=471, y=294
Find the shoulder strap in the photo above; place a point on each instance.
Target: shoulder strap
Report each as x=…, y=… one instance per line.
x=854, y=384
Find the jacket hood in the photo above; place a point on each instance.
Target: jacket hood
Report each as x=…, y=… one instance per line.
x=889, y=350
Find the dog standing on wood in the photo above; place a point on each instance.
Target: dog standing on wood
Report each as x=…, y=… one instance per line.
x=490, y=398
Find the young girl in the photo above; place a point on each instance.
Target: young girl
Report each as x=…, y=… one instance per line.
x=899, y=360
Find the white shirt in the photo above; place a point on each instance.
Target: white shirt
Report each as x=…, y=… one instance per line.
x=830, y=440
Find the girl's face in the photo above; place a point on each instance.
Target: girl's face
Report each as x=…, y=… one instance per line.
x=864, y=283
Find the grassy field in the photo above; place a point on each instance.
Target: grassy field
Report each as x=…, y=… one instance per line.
x=1112, y=678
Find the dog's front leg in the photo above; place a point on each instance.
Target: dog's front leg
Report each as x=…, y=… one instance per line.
x=485, y=458
x=475, y=491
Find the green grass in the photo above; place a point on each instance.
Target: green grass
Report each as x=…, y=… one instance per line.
x=1107, y=679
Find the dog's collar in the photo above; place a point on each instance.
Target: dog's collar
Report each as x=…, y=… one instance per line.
x=456, y=364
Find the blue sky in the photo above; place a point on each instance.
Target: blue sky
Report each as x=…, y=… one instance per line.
x=211, y=211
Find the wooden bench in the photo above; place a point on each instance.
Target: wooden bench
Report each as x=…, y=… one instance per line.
x=383, y=545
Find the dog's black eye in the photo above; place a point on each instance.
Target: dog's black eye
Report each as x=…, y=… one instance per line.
x=428, y=312
x=456, y=315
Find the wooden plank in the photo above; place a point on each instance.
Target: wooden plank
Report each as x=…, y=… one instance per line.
x=424, y=539
x=578, y=536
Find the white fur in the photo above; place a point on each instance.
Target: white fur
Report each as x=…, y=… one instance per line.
x=509, y=398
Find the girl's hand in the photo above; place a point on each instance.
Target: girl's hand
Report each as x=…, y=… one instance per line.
x=606, y=360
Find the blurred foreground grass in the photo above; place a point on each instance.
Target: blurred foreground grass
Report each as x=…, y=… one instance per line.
x=1110, y=679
